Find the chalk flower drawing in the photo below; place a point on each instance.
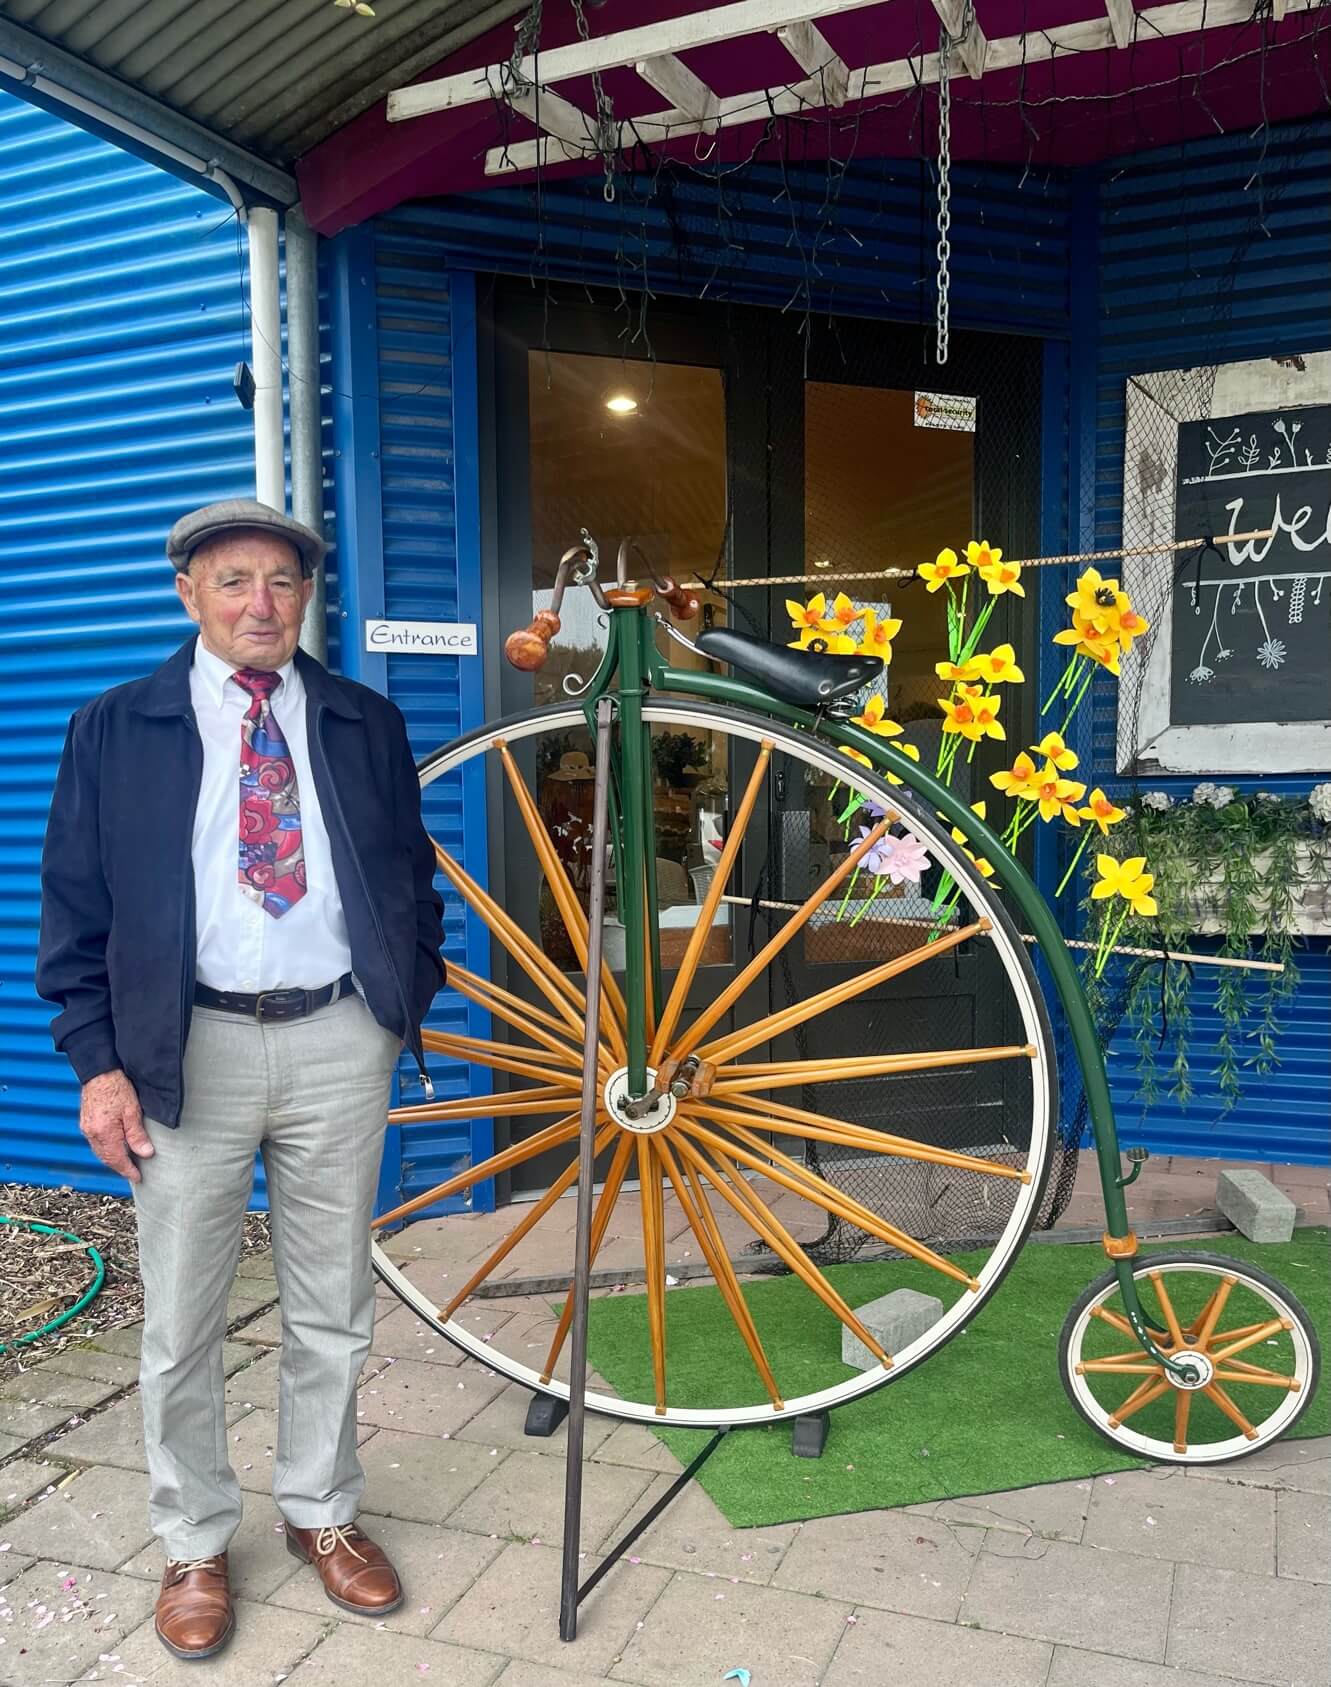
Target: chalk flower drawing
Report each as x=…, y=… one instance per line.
x=1200, y=674
x=1271, y=653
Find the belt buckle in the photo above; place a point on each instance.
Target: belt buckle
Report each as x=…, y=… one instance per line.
x=268, y=995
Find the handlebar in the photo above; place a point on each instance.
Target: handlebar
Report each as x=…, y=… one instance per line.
x=528, y=647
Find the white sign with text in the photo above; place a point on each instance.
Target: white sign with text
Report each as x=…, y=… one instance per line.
x=421, y=638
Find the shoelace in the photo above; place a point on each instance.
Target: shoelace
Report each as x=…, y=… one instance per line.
x=182, y=1566
x=328, y=1540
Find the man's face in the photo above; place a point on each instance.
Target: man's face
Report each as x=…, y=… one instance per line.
x=246, y=592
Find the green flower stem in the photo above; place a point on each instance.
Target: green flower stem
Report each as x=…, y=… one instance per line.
x=1109, y=933
x=850, y=891
x=1061, y=685
x=1072, y=865
x=1076, y=702
x=973, y=638
x=869, y=900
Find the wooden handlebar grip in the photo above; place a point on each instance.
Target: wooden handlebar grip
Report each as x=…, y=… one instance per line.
x=528, y=648
x=684, y=602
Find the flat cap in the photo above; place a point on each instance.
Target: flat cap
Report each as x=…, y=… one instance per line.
x=238, y=515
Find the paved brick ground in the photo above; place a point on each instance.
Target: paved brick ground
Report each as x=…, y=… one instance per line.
x=1156, y=1578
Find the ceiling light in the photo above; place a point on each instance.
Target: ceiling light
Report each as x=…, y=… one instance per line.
x=621, y=403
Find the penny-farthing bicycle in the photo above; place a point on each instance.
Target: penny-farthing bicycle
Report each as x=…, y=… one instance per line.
x=729, y=1105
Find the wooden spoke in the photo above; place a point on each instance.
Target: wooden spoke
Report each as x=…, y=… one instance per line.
x=1219, y=1354
x=1115, y=1320
x=796, y=1121
x=1218, y=1397
x=533, y=1022
x=545, y=1098
x=704, y=1228
x=605, y=1206
x=1271, y=1380
x=614, y=1014
x=736, y=1080
x=530, y=1219
x=761, y=1157
x=562, y=994
x=1182, y=1406
x=1094, y=1367
x=764, y=1030
x=726, y=1178
x=481, y=1048
x=1210, y=1313
x=653, y=1247
x=552, y=1137
x=697, y=943
x=1242, y=1368
x=773, y=947
x=503, y=1057
x=1136, y=1354
x=1167, y=1307
x=1235, y=1334
x=1140, y=1396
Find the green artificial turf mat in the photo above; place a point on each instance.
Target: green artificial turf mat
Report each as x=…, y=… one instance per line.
x=986, y=1413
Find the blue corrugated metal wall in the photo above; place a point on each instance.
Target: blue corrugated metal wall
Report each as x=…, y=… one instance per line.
x=120, y=324
x=405, y=439
x=1176, y=230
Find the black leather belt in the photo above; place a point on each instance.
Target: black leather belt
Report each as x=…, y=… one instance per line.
x=270, y=1005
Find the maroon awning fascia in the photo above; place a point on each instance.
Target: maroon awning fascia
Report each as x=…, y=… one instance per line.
x=1070, y=111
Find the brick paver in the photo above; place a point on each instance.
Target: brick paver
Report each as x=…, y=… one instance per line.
x=1156, y=1578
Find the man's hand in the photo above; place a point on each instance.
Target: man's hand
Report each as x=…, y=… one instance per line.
x=112, y=1120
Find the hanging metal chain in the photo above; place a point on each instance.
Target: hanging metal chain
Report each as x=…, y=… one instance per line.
x=942, y=322
x=607, y=129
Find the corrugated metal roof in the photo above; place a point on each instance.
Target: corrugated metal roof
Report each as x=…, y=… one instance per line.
x=272, y=75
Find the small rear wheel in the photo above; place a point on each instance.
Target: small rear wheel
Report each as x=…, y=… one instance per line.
x=1254, y=1352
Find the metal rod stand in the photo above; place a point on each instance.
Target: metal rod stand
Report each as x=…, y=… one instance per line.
x=577, y=1381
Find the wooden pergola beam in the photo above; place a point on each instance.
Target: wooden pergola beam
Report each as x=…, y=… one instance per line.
x=971, y=44
x=1122, y=20
x=687, y=93
x=813, y=53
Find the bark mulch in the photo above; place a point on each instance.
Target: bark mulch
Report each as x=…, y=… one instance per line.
x=42, y=1275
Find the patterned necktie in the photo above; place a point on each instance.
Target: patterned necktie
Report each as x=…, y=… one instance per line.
x=272, y=855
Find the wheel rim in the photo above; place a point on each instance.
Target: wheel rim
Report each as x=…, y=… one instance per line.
x=713, y=1153
x=1246, y=1337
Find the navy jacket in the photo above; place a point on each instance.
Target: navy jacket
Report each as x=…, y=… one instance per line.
x=116, y=950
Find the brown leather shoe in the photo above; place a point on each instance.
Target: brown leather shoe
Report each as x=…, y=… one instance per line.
x=195, y=1617
x=355, y=1572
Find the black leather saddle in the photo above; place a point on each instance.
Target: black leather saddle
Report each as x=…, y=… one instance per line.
x=810, y=679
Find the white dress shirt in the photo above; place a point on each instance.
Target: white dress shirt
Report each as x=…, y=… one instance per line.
x=239, y=946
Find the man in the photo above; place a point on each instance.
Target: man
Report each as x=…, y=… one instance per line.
x=240, y=927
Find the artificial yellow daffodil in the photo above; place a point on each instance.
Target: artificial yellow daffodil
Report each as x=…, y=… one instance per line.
x=856, y=755
x=1098, y=603
x=1058, y=796
x=1100, y=648
x=1128, y=880
x=878, y=635
x=945, y=567
x=906, y=750
x=997, y=667
x=1019, y=780
x=972, y=714
x=983, y=867
x=1101, y=810
x=843, y=613
x=810, y=617
x=874, y=718
x=980, y=554
x=1131, y=626
x=1053, y=749
x=1002, y=576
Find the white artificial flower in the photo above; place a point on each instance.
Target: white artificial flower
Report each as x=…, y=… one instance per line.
x=1319, y=800
x=1158, y=800
x=1214, y=796
x=1268, y=796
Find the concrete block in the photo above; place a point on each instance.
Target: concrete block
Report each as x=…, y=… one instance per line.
x=1255, y=1206
x=896, y=1319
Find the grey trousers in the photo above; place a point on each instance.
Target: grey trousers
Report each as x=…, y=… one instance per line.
x=311, y=1096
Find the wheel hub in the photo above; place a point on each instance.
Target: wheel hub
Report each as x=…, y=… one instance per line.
x=617, y=1097
x=1202, y=1367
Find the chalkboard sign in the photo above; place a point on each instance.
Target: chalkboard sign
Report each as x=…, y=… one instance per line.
x=1252, y=621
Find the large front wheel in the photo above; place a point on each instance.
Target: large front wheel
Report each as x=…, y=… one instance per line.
x=841, y=1020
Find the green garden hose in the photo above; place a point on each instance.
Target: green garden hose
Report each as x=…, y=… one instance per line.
x=89, y=1294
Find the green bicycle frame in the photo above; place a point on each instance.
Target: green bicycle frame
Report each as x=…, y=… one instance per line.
x=630, y=668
